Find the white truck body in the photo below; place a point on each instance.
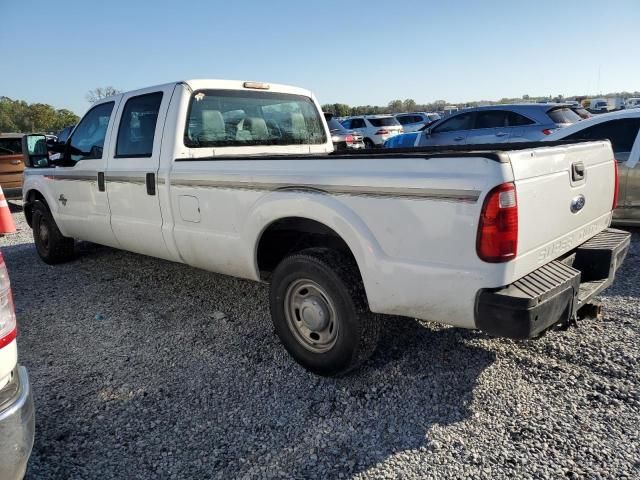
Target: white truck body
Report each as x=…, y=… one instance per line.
x=409, y=219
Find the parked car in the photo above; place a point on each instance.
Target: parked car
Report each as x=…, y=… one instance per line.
x=633, y=102
x=342, y=239
x=599, y=105
x=17, y=417
x=498, y=124
x=11, y=166
x=622, y=128
x=412, y=122
x=342, y=138
x=374, y=128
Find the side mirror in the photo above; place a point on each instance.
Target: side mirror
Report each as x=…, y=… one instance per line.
x=34, y=151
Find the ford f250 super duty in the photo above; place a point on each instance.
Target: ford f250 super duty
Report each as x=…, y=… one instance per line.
x=240, y=178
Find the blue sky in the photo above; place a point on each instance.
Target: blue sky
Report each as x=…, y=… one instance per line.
x=363, y=52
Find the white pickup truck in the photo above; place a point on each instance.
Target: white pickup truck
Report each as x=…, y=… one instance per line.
x=240, y=178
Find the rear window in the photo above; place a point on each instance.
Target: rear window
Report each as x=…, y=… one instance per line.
x=563, y=115
x=383, y=122
x=223, y=118
x=10, y=146
x=334, y=125
x=622, y=134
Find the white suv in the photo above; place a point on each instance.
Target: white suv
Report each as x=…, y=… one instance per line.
x=375, y=129
x=412, y=122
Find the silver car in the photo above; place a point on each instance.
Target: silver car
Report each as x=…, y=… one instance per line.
x=498, y=124
x=622, y=128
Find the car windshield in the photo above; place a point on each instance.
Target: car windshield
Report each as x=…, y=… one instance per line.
x=383, y=122
x=563, y=115
x=10, y=146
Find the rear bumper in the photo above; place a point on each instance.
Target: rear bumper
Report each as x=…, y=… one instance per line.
x=17, y=425
x=553, y=293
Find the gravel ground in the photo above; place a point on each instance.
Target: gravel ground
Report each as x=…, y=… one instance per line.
x=143, y=368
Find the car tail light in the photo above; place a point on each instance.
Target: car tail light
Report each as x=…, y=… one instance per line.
x=615, y=184
x=547, y=131
x=382, y=131
x=349, y=139
x=497, y=239
x=7, y=312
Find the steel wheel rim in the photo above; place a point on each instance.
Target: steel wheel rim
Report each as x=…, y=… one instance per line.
x=311, y=315
x=44, y=233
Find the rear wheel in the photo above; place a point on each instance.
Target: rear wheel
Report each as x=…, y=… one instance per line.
x=320, y=312
x=51, y=245
x=368, y=143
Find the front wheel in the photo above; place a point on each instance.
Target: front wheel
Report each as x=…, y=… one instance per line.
x=320, y=312
x=51, y=245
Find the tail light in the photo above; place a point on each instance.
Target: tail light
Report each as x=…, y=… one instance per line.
x=349, y=139
x=547, y=131
x=7, y=312
x=382, y=131
x=615, y=185
x=497, y=239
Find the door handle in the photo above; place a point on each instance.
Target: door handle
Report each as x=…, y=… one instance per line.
x=457, y=139
x=501, y=134
x=577, y=171
x=150, y=181
x=101, y=182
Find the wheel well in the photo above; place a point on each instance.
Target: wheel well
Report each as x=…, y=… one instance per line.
x=32, y=196
x=291, y=235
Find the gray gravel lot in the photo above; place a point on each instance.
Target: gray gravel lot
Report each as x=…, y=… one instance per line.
x=143, y=368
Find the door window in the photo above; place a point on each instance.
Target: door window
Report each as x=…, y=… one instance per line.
x=464, y=121
x=621, y=133
x=87, y=141
x=138, y=126
x=357, y=123
x=491, y=119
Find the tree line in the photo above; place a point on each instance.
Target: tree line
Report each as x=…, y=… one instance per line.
x=410, y=105
x=18, y=116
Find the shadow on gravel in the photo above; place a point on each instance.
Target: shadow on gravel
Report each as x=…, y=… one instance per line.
x=14, y=207
x=143, y=368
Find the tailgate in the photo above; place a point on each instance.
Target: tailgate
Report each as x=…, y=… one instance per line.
x=565, y=194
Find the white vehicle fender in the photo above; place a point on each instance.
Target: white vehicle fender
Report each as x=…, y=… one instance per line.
x=324, y=209
x=38, y=183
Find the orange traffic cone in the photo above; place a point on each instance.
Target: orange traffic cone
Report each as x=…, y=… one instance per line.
x=6, y=220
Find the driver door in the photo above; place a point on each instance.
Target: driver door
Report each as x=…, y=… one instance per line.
x=83, y=208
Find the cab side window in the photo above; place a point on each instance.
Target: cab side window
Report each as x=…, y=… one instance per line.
x=138, y=126
x=87, y=141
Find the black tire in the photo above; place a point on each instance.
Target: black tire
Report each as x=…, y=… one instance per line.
x=357, y=328
x=51, y=245
x=368, y=143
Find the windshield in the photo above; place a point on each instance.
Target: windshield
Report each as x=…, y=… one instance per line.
x=563, y=115
x=221, y=118
x=383, y=122
x=10, y=146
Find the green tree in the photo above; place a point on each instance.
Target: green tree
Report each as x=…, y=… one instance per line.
x=409, y=105
x=395, y=106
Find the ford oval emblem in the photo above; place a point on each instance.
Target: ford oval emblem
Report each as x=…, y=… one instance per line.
x=577, y=203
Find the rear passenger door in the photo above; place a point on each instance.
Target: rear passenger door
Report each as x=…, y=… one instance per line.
x=132, y=171
x=491, y=126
